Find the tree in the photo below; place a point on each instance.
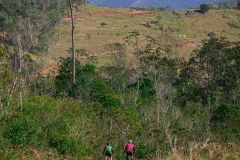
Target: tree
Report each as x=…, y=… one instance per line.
x=157, y=73
x=212, y=72
x=225, y=122
x=88, y=86
x=30, y=26
x=133, y=39
x=5, y=79
x=83, y=76
x=117, y=52
x=73, y=4
x=35, y=21
x=114, y=77
x=204, y=8
x=238, y=5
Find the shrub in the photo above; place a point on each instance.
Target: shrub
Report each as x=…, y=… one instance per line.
x=64, y=144
x=144, y=150
x=21, y=132
x=226, y=120
x=204, y=8
x=103, y=24
x=4, y=147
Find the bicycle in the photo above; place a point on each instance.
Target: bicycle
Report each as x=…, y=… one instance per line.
x=129, y=157
x=108, y=157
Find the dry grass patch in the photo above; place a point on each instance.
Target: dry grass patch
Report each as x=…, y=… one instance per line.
x=175, y=28
x=209, y=151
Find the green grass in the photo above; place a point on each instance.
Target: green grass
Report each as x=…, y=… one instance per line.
x=228, y=12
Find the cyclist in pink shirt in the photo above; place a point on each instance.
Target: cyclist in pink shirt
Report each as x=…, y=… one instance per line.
x=129, y=149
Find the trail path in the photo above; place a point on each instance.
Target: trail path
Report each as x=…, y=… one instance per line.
x=51, y=67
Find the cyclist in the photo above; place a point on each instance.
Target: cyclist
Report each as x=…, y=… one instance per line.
x=129, y=149
x=108, y=151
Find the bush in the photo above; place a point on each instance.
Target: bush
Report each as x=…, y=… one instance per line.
x=204, y=8
x=226, y=122
x=144, y=150
x=99, y=89
x=63, y=144
x=103, y=24
x=4, y=147
x=21, y=132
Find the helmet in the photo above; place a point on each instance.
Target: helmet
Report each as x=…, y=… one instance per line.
x=130, y=141
x=107, y=143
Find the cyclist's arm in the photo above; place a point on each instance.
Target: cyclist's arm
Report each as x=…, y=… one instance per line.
x=104, y=150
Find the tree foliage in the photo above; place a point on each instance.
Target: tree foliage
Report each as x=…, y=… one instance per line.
x=212, y=70
x=35, y=21
x=238, y=4
x=204, y=8
x=88, y=87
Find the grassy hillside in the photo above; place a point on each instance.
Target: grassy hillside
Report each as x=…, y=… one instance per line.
x=191, y=115
x=182, y=30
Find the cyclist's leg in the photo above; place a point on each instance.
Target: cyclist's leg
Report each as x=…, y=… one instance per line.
x=128, y=155
x=110, y=156
x=131, y=155
x=107, y=157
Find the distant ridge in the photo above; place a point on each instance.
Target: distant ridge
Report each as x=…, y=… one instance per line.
x=174, y=4
x=118, y=3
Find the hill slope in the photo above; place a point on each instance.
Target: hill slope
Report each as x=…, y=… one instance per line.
x=181, y=30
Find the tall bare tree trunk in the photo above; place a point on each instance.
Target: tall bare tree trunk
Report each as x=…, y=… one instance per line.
x=19, y=80
x=73, y=42
x=20, y=50
x=138, y=75
x=70, y=3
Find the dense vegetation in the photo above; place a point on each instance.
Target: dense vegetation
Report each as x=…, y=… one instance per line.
x=168, y=106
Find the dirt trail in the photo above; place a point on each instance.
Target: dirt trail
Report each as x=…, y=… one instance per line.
x=189, y=43
x=51, y=67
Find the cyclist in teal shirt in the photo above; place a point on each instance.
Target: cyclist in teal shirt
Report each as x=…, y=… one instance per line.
x=108, y=151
